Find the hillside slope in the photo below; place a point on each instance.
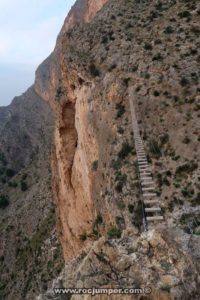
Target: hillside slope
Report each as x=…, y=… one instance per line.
x=28, y=243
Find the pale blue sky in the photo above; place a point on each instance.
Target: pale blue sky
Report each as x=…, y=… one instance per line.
x=28, y=31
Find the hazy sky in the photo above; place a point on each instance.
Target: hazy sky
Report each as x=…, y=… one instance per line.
x=28, y=31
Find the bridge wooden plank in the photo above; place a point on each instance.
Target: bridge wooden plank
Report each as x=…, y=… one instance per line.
x=152, y=209
x=155, y=218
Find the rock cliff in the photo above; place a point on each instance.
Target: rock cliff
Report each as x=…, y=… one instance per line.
x=75, y=145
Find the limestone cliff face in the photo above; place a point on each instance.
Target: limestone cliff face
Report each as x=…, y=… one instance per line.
x=48, y=75
x=75, y=145
x=82, y=11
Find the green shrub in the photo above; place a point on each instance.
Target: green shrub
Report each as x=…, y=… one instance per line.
x=196, y=200
x=186, y=168
x=95, y=232
x=138, y=215
x=186, y=140
x=125, y=150
x=148, y=46
x=95, y=165
x=13, y=184
x=114, y=232
x=167, y=266
x=131, y=208
x=195, y=30
x=99, y=219
x=4, y=201
x=165, y=287
x=24, y=176
x=104, y=39
x=154, y=148
x=120, y=110
x=83, y=237
x=187, y=192
x=93, y=70
x=120, y=220
x=121, y=181
x=116, y=164
x=184, y=14
x=197, y=107
x=157, y=56
x=193, y=219
x=156, y=93
x=120, y=130
x=159, y=6
x=59, y=92
x=120, y=204
x=184, y=81
x=24, y=185
x=168, y=30
x=119, y=187
x=164, y=138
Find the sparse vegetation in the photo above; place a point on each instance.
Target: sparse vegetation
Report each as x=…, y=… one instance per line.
x=184, y=81
x=184, y=14
x=93, y=70
x=168, y=30
x=188, y=167
x=116, y=164
x=196, y=200
x=83, y=237
x=138, y=215
x=191, y=222
x=120, y=204
x=186, y=140
x=59, y=92
x=121, y=181
x=114, y=232
x=120, y=220
x=165, y=287
x=98, y=220
x=167, y=266
x=120, y=130
x=154, y=148
x=131, y=208
x=23, y=185
x=125, y=150
x=95, y=165
x=148, y=46
x=120, y=110
x=13, y=184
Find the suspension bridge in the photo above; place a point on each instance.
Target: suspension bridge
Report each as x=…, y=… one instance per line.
x=150, y=201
